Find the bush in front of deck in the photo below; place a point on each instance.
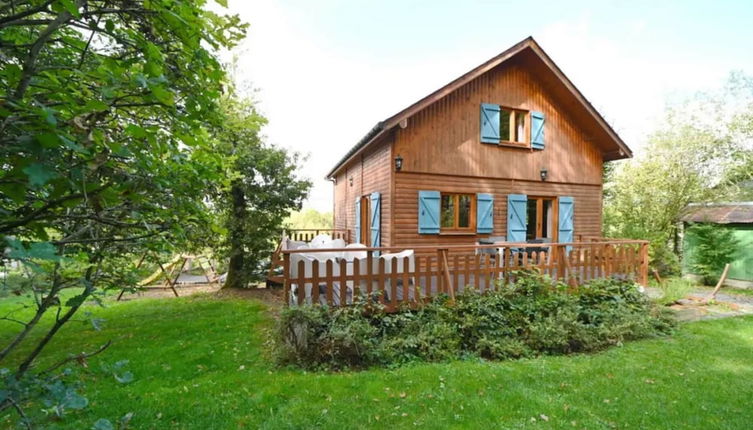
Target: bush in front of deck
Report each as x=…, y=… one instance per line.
x=533, y=316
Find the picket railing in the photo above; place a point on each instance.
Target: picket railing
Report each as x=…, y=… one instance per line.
x=429, y=271
x=307, y=234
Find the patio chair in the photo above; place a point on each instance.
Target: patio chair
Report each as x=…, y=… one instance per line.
x=491, y=240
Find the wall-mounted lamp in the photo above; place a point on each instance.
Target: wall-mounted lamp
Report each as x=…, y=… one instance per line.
x=350, y=181
x=543, y=173
x=398, y=163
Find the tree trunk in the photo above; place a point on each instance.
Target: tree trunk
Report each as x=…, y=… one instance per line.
x=236, y=273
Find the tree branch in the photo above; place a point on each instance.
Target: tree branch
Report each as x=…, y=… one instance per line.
x=31, y=59
x=78, y=357
x=40, y=8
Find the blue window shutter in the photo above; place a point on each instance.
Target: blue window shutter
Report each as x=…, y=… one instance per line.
x=428, y=212
x=484, y=213
x=566, y=214
x=376, y=220
x=537, y=130
x=358, y=221
x=490, y=123
x=517, y=205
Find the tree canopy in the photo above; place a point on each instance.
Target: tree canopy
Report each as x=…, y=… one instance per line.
x=106, y=108
x=702, y=152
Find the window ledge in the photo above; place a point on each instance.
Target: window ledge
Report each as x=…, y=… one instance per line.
x=515, y=145
x=458, y=233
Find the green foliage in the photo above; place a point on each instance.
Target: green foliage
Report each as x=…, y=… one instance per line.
x=673, y=289
x=699, y=153
x=308, y=218
x=105, y=107
x=714, y=247
x=263, y=188
x=531, y=317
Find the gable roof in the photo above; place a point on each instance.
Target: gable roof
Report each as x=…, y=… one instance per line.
x=719, y=213
x=619, y=148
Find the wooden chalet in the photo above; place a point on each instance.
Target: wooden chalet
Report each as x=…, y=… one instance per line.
x=511, y=148
x=499, y=170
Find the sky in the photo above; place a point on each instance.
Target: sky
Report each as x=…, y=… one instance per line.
x=325, y=72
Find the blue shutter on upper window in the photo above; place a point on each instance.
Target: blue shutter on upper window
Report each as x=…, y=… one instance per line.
x=490, y=123
x=484, y=213
x=517, y=205
x=357, y=224
x=428, y=212
x=537, y=130
x=566, y=211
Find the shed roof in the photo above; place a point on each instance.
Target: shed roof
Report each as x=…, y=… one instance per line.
x=719, y=213
x=618, y=149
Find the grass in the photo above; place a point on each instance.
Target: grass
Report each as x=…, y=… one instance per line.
x=199, y=363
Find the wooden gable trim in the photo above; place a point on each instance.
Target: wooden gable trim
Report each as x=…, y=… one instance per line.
x=379, y=130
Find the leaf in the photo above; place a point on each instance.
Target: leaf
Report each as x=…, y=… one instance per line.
x=222, y=3
x=103, y=424
x=109, y=25
x=97, y=323
x=75, y=300
x=70, y=6
x=96, y=106
x=73, y=400
x=136, y=131
x=39, y=174
x=125, y=378
x=48, y=140
x=49, y=116
x=37, y=250
x=163, y=95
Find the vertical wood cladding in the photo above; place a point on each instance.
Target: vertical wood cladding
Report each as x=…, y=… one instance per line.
x=444, y=137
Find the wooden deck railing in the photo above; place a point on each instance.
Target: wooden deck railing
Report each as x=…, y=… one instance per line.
x=307, y=234
x=430, y=271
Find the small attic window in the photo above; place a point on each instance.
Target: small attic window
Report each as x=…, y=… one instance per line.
x=512, y=125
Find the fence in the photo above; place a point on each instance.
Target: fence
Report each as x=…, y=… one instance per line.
x=419, y=273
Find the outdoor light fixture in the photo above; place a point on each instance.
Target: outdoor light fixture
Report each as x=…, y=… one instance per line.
x=398, y=163
x=544, y=173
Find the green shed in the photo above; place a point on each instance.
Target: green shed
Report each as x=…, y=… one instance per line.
x=735, y=216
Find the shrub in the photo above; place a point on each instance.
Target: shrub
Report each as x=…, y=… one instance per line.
x=714, y=247
x=673, y=289
x=533, y=316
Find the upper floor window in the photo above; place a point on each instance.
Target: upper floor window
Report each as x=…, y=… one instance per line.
x=508, y=126
x=512, y=126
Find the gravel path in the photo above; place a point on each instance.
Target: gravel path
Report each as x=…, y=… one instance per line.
x=694, y=306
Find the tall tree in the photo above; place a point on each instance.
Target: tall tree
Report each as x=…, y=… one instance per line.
x=104, y=147
x=263, y=189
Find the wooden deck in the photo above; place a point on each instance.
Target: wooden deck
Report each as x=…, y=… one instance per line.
x=435, y=270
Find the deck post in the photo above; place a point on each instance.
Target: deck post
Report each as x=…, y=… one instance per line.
x=644, y=264
x=286, y=276
x=444, y=272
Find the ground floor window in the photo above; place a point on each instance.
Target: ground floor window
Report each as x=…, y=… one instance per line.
x=457, y=212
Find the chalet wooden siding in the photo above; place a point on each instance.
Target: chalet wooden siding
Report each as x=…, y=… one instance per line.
x=445, y=137
x=587, y=204
x=371, y=172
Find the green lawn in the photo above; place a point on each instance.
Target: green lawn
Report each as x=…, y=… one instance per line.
x=199, y=363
